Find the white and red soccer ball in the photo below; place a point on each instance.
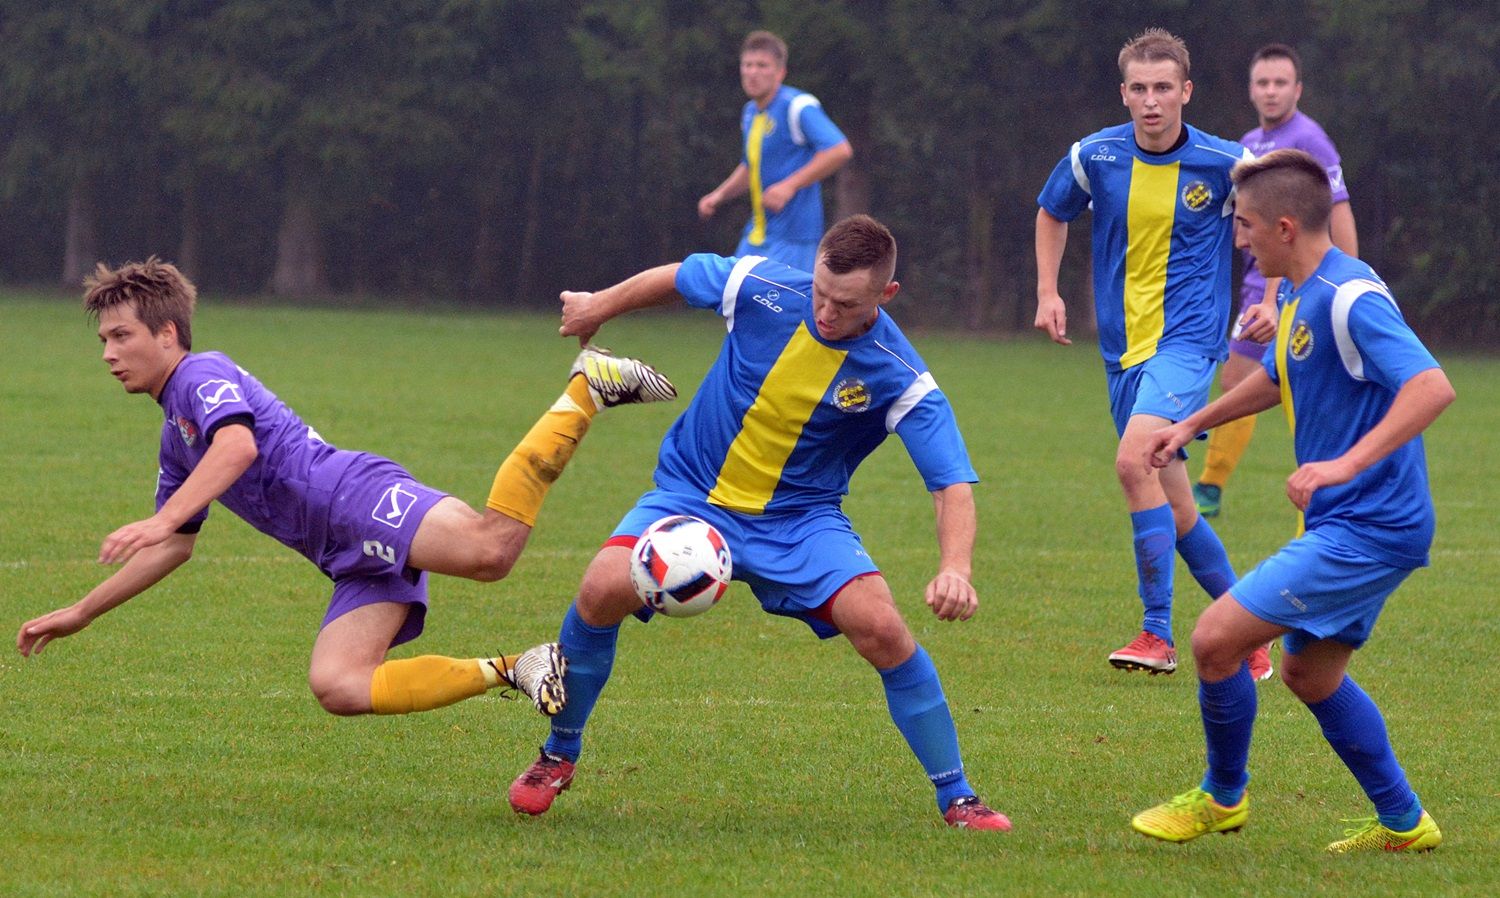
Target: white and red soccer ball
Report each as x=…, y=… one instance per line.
x=680, y=566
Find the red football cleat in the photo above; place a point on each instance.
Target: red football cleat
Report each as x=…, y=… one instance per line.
x=971, y=813
x=1147, y=652
x=534, y=790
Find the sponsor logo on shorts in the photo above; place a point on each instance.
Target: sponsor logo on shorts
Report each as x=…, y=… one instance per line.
x=1197, y=195
x=1293, y=600
x=215, y=393
x=394, y=503
x=851, y=395
x=1300, y=344
x=187, y=429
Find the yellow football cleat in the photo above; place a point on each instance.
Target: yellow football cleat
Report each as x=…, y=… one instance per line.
x=1190, y=815
x=1372, y=835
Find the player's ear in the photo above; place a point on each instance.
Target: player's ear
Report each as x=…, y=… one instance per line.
x=890, y=291
x=1187, y=91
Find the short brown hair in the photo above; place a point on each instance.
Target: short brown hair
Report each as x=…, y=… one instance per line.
x=859, y=242
x=1287, y=183
x=158, y=291
x=1155, y=45
x=765, y=42
x=1279, y=51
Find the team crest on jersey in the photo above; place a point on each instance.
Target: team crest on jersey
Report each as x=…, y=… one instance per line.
x=1197, y=195
x=215, y=393
x=187, y=429
x=1300, y=344
x=851, y=395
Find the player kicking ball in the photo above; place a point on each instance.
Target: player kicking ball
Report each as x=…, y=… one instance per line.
x=1358, y=389
x=362, y=519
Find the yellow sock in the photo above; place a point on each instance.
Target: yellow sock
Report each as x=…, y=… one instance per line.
x=426, y=682
x=524, y=478
x=1226, y=446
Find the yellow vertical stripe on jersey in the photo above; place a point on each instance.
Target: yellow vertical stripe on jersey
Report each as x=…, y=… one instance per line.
x=758, y=128
x=1283, y=350
x=1149, y=217
x=788, y=396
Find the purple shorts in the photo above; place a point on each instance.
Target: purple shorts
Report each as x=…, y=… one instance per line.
x=373, y=516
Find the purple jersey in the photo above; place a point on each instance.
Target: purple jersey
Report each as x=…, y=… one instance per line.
x=1297, y=133
x=299, y=490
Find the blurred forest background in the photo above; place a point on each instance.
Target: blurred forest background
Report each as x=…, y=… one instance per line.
x=497, y=151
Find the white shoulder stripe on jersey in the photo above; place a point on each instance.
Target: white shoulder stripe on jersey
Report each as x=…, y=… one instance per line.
x=1078, y=173
x=732, y=286
x=908, y=400
x=794, y=116
x=1343, y=301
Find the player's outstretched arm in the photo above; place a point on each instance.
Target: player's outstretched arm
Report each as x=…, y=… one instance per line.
x=1417, y=404
x=232, y=453
x=951, y=595
x=1051, y=313
x=584, y=313
x=141, y=572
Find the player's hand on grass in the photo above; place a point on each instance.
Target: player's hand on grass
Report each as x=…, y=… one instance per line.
x=1052, y=317
x=35, y=634
x=1311, y=477
x=130, y=539
x=951, y=596
x=579, y=318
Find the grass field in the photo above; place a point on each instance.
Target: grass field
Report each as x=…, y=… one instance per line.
x=173, y=747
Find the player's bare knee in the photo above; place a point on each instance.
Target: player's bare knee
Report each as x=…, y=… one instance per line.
x=1213, y=651
x=340, y=693
x=492, y=563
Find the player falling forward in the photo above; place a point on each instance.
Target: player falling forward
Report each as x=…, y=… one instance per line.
x=1162, y=245
x=362, y=519
x=812, y=377
x=1358, y=389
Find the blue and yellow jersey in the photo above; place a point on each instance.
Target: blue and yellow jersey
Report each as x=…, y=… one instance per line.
x=1342, y=352
x=1163, y=239
x=779, y=140
x=783, y=417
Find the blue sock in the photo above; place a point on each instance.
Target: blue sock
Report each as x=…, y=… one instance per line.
x=1155, y=536
x=591, y=655
x=1228, y=709
x=920, y=710
x=1204, y=553
x=1353, y=726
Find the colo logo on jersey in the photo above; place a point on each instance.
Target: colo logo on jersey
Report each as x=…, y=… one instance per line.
x=851, y=395
x=394, y=503
x=1300, y=344
x=215, y=393
x=187, y=429
x=1197, y=195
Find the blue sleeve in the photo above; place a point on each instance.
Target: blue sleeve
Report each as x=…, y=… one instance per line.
x=818, y=128
x=1390, y=351
x=1062, y=196
x=932, y=439
x=701, y=280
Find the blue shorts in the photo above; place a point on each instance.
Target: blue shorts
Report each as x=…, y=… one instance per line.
x=794, y=562
x=799, y=254
x=1321, y=589
x=1169, y=385
x=373, y=516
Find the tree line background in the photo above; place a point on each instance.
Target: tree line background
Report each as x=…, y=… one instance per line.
x=497, y=151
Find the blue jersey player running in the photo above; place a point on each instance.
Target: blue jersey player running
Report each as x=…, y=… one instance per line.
x=1358, y=389
x=789, y=146
x=812, y=376
x=1162, y=247
x=369, y=526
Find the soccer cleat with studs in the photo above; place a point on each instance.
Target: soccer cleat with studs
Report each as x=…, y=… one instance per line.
x=1371, y=835
x=1260, y=664
x=538, y=674
x=534, y=790
x=971, y=813
x=1147, y=652
x=1192, y=814
x=615, y=380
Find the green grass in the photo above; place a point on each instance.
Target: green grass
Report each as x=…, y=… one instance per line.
x=173, y=748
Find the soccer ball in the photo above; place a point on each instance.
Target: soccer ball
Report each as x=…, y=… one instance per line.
x=680, y=566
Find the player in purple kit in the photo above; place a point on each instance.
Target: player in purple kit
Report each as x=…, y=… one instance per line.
x=1275, y=90
x=365, y=522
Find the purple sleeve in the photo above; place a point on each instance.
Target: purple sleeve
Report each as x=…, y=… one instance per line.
x=1317, y=144
x=214, y=391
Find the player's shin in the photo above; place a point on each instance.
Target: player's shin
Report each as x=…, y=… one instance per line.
x=535, y=464
x=424, y=683
x=591, y=657
x=920, y=710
